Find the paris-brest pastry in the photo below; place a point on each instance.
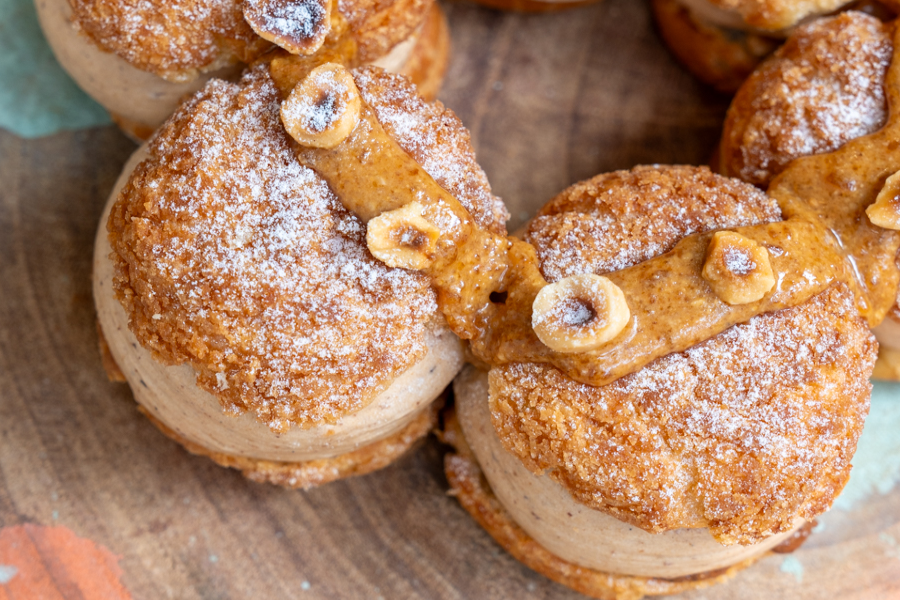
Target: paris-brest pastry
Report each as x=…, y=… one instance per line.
x=237, y=296
x=141, y=59
x=671, y=370
x=722, y=41
x=822, y=89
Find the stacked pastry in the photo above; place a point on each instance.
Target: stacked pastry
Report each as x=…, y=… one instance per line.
x=238, y=298
x=141, y=59
x=677, y=363
x=671, y=368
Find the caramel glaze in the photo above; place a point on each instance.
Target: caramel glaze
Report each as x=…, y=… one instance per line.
x=825, y=238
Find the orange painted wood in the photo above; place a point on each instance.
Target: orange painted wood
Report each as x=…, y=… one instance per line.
x=550, y=99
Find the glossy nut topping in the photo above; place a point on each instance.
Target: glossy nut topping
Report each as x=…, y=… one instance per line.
x=737, y=268
x=885, y=212
x=579, y=313
x=323, y=109
x=403, y=238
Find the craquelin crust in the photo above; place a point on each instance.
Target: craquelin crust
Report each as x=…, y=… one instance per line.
x=313, y=473
x=234, y=258
x=824, y=87
x=471, y=489
x=175, y=39
x=179, y=39
x=619, y=219
x=744, y=433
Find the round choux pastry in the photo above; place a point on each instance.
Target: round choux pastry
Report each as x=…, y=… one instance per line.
x=693, y=467
x=823, y=88
x=668, y=348
x=238, y=297
x=722, y=41
x=140, y=60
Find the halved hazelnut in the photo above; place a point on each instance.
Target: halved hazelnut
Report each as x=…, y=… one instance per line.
x=403, y=238
x=298, y=26
x=579, y=313
x=885, y=212
x=323, y=109
x=737, y=268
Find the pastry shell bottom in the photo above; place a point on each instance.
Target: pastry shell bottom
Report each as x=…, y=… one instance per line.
x=471, y=488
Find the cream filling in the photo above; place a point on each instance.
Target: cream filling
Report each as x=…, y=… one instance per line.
x=571, y=530
x=171, y=395
x=888, y=333
x=122, y=89
x=131, y=93
x=804, y=10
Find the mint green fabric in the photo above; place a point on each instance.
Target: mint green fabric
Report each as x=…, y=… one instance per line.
x=876, y=465
x=37, y=97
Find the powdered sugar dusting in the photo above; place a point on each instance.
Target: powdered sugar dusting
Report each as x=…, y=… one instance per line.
x=824, y=87
x=261, y=278
x=436, y=139
x=743, y=433
x=289, y=23
x=173, y=39
x=617, y=220
x=317, y=114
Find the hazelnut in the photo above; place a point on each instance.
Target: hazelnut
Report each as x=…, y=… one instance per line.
x=885, y=212
x=298, y=27
x=403, y=238
x=579, y=313
x=323, y=109
x=737, y=268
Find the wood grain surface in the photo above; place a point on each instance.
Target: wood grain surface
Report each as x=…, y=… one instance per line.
x=550, y=99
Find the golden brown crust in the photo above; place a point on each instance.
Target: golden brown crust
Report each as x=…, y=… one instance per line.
x=744, y=433
x=313, y=473
x=436, y=139
x=175, y=39
x=469, y=486
x=619, y=219
x=179, y=39
x=722, y=58
x=825, y=86
x=233, y=257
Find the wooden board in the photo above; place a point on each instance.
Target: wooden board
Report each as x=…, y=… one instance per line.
x=550, y=99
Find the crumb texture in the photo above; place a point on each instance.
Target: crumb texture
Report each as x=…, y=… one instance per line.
x=175, y=39
x=436, y=139
x=744, y=433
x=824, y=87
x=619, y=219
x=178, y=39
x=235, y=258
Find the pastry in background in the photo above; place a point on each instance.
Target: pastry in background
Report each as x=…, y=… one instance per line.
x=822, y=89
x=722, y=41
x=140, y=60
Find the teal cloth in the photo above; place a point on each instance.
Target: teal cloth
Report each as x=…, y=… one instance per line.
x=37, y=97
x=876, y=465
